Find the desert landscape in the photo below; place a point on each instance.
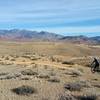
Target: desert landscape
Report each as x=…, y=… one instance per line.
x=49, y=49
x=48, y=71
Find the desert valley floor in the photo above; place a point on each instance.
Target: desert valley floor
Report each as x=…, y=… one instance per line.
x=48, y=71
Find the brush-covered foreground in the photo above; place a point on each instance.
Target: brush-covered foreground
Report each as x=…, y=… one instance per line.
x=48, y=71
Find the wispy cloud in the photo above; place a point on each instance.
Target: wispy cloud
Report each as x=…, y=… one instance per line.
x=60, y=16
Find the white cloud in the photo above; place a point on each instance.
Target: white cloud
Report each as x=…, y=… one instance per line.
x=50, y=12
x=70, y=30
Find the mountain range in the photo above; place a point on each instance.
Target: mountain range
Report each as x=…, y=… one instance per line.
x=26, y=35
x=16, y=34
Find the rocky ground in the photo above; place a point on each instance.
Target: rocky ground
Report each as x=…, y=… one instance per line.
x=28, y=75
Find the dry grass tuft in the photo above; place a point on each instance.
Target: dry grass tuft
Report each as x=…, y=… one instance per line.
x=66, y=97
x=28, y=72
x=76, y=86
x=3, y=74
x=54, y=80
x=45, y=76
x=68, y=62
x=74, y=73
x=87, y=97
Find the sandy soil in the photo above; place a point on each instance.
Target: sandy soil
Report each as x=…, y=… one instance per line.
x=41, y=66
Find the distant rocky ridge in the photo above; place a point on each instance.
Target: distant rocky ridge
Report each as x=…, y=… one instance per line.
x=81, y=39
x=26, y=35
x=16, y=34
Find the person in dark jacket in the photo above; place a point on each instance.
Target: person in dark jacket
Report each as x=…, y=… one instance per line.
x=96, y=64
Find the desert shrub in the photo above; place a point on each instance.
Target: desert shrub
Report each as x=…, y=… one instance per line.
x=52, y=73
x=2, y=56
x=87, y=97
x=45, y=76
x=34, y=58
x=88, y=65
x=1, y=78
x=66, y=97
x=24, y=90
x=84, y=84
x=29, y=72
x=52, y=58
x=95, y=79
x=58, y=60
x=23, y=60
x=61, y=69
x=6, y=58
x=68, y=62
x=3, y=74
x=10, y=77
x=54, y=79
x=81, y=70
x=45, y=66
x=25, y=78
x=13, y=76
x=15, y=56
x=74, y=73
x=33, y=63
x=17, y=74
x=26, y=56
x=97, y=85
x=73, y=86
x=80, y=97
x=76, y=86
x=12, y=59
x=6, y=63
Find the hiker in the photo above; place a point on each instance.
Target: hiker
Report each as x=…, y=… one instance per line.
x=95, y=64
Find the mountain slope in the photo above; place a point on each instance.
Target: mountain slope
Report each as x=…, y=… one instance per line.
x=81, y=39
x=27, y=35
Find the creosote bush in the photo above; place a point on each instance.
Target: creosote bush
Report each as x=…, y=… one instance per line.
x=76, y=86
x=73, y=86
x=66, y=97
x=24, y=90
x=54, y=80
x=73, y=73
x=87, y=97
x=80, y=97
x=68, y=62
x=29, y=72
x=45, y=76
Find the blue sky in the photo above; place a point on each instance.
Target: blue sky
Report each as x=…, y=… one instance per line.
x=68, y=17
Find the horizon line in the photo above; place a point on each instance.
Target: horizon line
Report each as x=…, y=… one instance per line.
x=87, y=34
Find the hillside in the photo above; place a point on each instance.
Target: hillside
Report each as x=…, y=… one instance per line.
x=16, y=34
x=26, y=35
x=81, y=39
